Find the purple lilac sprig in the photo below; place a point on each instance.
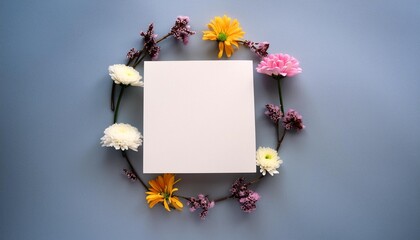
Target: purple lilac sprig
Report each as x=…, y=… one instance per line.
x=133, y=53
x=201, y=202
x=273, y=112
x=247, y=198
x=129, y=174
x=258, y=48
x=248, y=203
x=150, y=43
x=181, y=30
x=293, y=120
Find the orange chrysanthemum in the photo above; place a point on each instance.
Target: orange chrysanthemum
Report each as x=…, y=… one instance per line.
x=161, y=191
x=226, y=32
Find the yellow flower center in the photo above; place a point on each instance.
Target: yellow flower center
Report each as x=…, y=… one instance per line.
x=222, y=37
x=129, y=73
x=268, y=156
x=122, y=129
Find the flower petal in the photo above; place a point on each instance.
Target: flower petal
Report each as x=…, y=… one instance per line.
x=170, y=184
x=161, y=182
x=153, y=197
x=176, y=203
x=154, y=202
x=155, y=186
x=165, y=204
x=229, y=50
x=221, y=46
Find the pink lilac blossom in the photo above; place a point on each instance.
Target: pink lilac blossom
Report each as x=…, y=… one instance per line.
x=293, y=120
x=258, y=48
x=279, y=65
x=181, y=29
x=246, y=197
x=248, y=204
x=273, y=112
x=200, y=202
x=150, y=42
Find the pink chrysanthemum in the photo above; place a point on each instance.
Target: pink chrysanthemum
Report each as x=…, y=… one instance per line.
x=279, y=65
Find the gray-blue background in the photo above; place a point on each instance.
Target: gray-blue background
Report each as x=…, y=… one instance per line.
x=352, y=174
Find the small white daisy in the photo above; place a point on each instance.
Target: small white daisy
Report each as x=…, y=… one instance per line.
x=268, y=160
x=122, y=74
x=122, y=136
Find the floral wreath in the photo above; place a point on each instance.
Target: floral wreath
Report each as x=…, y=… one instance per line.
x=228, y=34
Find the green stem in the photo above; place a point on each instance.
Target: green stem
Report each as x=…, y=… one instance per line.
x=112, y=96
x=255, y=180
x=222, y=198
x=277, y=135
x=118, y=103
x=138, y=61
x=129, y=61
x=133, y=170
x=279, y=77
x=163, y=38
x=186, y=198
x=281, y=138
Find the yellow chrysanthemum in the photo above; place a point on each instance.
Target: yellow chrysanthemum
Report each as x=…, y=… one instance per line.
x=226, y=32
x=161, y=191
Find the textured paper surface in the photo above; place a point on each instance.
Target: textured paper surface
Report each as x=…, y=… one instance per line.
x=198, y=117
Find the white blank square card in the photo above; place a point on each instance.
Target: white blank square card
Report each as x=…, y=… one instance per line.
x=198, y=117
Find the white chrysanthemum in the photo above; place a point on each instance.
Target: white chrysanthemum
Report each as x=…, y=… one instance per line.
x=268, y=160
x=122, y=136
x=122, y=74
